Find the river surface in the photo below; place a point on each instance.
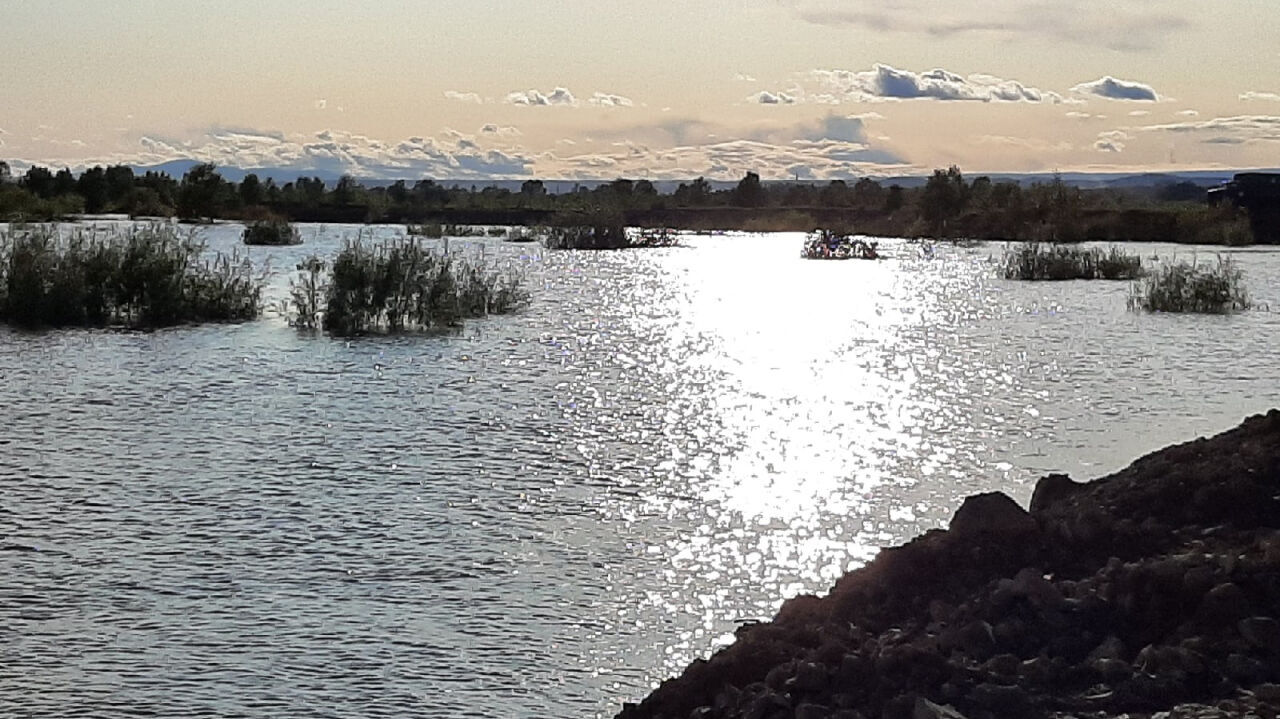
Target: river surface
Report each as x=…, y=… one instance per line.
x=546, y=513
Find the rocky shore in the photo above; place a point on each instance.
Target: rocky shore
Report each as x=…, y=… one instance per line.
x=1153, y=592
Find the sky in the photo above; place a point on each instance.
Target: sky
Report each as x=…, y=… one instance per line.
x=667, y=89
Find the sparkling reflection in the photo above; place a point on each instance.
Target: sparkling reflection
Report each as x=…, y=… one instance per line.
x=547, y=513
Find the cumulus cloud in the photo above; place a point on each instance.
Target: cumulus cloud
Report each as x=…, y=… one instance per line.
x=534, y=98
x=884, y=82
x=1111, y=141
x=1085, y=22
x=338, y=152
x=1266, y=96
x=1112, y=89
x=764, y=97
x=604, y=99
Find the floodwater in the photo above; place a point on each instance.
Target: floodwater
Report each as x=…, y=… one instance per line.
x=546, y=513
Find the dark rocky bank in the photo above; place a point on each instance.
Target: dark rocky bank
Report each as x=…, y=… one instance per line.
x=1153, y=592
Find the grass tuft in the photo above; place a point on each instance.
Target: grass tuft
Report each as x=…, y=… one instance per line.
x=1192, y=287
x=395, y=286
x=1037, y=261
x=275, y=232
x=145, y=276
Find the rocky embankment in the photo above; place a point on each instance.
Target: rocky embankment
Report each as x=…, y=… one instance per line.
x=1154, y=592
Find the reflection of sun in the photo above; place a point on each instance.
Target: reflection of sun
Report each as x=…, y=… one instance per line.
x=798, y=393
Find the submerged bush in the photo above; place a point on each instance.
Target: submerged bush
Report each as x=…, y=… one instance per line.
x=143, y=276
x=271, y=232
x=1192, y=287
x=433, y=230
x=398, y=285
x=1036, y=261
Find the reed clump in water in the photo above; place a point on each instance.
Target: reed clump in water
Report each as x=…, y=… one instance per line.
x=273, y=232
x=144, y=276
x=398, y=285
x=1192, y=287
x=1037, y=261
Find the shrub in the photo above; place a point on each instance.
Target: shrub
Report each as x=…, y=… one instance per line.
x=431, y=230
x=523, y=234
x=1036, y=261
x=274, y=232
x=145, y=276
x=398, y=285
x=1192, y=287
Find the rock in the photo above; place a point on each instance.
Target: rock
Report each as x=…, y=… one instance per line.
x=810, y=677
x=768, y=706
x=977, y=640
x=1261, y=632
x=1052, y=489
x=1269, y=693
x=992, y=513
x=702, y=713
x=1245, y=670
x=1004, y=665
x=1225, y=603
x=1111, y=670
x=1001, y=700
x=1110, y=648
x=925, y=709
x=812, y=711
x=778, y=677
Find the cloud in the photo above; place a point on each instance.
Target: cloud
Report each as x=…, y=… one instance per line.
x=884, y=82
x=501, y=130
x=1188, y=113
x=470, y=97
x=1112, y=89
x=1236, y=130
x=1139, y=113
x=1267, y=96
x=339, y=152
x=740, y=77
x=764, y=97
x=321, y=104
x=604, y=99
x=559, y=96
x=1111, y=141
x=1084, y=22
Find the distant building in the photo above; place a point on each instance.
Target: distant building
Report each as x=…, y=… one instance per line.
x=1259, y=194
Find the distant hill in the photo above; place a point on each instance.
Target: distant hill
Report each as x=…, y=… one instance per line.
x=1087, y=180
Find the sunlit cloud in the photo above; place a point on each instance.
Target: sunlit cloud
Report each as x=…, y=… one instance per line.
x=604, y=99
x=534, y=98
x=764, y=97
x=1112, y=89
x=884, y=82
x=1111, y=141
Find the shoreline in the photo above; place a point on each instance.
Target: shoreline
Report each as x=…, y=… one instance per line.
x=1154, y=589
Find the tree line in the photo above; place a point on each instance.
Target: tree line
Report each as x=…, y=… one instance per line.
x=947, y=205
